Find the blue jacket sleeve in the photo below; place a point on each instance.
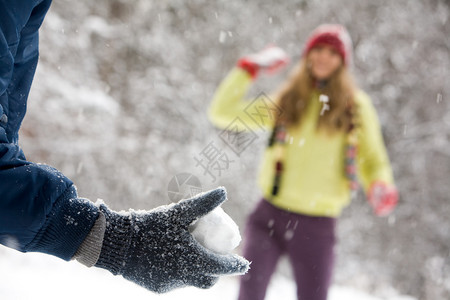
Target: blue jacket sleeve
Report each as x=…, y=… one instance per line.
x=39, y=207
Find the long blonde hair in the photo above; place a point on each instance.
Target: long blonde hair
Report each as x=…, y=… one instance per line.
x=296, y=92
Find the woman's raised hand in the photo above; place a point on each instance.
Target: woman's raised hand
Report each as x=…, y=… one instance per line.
x=269, y=60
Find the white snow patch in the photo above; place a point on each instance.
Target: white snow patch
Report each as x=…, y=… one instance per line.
x=98, y=25
x=67, y=96
x=38, y=276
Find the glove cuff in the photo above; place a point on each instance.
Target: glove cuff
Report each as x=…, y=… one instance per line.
x=116, y=242
x=89, y=251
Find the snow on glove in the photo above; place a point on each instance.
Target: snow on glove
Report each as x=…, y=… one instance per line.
x=155, y=249
x=383, y=198
x=270, y=60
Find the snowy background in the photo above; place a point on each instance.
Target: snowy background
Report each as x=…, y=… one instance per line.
x=119, y=105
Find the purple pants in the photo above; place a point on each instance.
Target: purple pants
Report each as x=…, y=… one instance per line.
x=308, y=241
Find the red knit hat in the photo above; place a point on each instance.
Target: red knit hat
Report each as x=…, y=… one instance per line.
x=334, y=35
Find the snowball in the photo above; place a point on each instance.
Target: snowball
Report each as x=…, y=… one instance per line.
x=269, y=56
x=217, y=232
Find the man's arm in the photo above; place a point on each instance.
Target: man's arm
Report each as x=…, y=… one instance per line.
x=35, y=211
x=41, y=212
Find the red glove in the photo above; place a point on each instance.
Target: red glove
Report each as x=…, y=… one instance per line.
x=270, y=60
x=382, y=197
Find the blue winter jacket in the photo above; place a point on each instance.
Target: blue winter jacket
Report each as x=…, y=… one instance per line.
x=39, y=208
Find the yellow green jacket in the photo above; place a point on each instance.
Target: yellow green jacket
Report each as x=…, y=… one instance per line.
x=314, y=181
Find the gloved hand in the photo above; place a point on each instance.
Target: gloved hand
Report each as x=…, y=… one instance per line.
x=270, y=60
x=155, y=249
x=382, y=197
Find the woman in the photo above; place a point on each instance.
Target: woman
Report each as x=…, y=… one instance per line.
x=324, y=132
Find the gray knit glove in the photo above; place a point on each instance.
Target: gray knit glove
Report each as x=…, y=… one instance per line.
x=155, y=249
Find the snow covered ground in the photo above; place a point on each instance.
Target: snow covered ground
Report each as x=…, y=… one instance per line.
x=37, y=276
